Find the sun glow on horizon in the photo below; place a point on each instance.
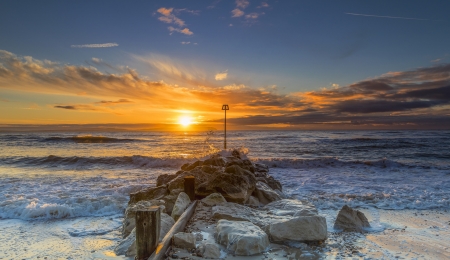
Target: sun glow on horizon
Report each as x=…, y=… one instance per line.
x=185, y=121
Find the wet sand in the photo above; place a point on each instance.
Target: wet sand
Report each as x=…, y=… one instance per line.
x=400, y=234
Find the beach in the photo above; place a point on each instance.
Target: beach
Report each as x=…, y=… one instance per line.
x=64, y=194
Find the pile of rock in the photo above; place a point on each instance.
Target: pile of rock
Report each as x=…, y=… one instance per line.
x=245, y=209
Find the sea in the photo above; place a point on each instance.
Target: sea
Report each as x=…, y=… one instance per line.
x=63, y=194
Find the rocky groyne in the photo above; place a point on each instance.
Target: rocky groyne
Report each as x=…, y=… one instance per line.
x=242, y=211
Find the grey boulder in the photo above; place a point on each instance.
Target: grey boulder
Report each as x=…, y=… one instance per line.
x=241, y=237
x=350, y=220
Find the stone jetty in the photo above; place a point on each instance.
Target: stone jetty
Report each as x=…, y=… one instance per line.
x=242, y=211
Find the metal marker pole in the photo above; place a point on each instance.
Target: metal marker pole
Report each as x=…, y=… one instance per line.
x=225, y=107
x=225, y=140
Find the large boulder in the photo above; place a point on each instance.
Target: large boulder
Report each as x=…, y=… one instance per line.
x=208, y=249
x=127, y=246
x=170, y=199
x=215, y=160
x=299, y=217
x=303, y=228
x=235, y=184
x=180, y=205
x=151, y=193
x=265, y=194
x=288, y=207
x=184, y=240
x=241, y=237
x=213, y=199
x=130, y=212
x=350, y=220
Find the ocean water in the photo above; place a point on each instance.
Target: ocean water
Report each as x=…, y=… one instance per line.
x=79, y=182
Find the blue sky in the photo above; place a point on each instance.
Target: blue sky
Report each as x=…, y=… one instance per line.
x=280, y=46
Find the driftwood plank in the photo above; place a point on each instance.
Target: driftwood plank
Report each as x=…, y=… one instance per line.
x=179, y=226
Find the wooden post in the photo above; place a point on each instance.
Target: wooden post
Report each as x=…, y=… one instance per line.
x=148, y=224
x=189, y=187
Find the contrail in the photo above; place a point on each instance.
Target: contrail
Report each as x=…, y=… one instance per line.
x=391, y=17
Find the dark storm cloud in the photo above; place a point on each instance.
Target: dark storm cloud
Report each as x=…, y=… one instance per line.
x=377, y=106
x=66, y=107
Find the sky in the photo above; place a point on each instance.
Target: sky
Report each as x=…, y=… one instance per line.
x=170, y=65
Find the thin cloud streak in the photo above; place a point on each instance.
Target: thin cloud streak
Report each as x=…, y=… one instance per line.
x=96, y=45
x=393, y=17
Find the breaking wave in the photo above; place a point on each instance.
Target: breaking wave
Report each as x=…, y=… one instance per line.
x=323, y=162
x=89, y=139
x=135, y=161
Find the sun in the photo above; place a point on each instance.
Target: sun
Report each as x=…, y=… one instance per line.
x=185, y=120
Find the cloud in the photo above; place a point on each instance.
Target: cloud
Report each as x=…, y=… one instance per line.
x=100, y=62
x=116, y=102
x=67, y=107
x=213, y=5
x=183, y=31
x=253, y=15
x=167, y=16
x=221, y=75
x=242, y=3
x=237, y=13
x=194, y=12
x=185, y=42
x=263, y=5
x=390, y=17
x=165, y=11
x=403, y=99
x=96, y=45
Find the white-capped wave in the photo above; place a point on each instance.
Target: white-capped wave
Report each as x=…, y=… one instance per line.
x=322, y=162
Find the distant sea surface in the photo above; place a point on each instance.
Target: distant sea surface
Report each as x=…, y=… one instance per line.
x=71, y=175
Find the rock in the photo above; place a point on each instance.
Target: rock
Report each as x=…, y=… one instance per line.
x=130, y=212
x=274, y=184
x=253, y=201
x=285, y=215
x=213, y=199
x=208, y=249
x=303, y=228
x=180, y=205
x=178, y=182
x=287, y=207
x=170, y=199
x=350, y=220
x=192, y=166
x=184, y=240
x=163, y=179
x=259, y=167
x=215, y=160
x=127, y=246
x=237, y=212
x=265, y=194
x=231, y=160
x=235, y=184
x=166, y=224
x=235, y=153
x=241, y=237
x=152, y=193
x=211, y=169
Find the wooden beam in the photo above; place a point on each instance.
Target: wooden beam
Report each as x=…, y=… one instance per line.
x=161, y=249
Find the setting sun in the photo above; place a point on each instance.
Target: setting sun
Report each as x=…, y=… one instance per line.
x=185, y=120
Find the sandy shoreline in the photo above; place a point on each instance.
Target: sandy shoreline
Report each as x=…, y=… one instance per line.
x=398, y=234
